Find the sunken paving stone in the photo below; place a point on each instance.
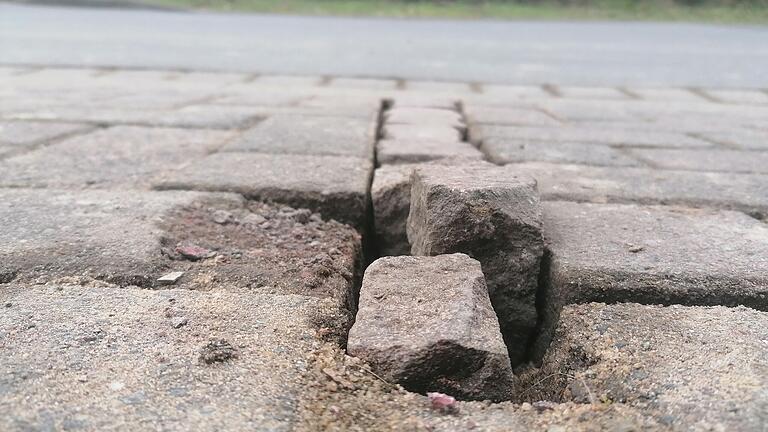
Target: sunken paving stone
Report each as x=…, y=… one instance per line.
x=324, y=135
x=413, y=151
x=335, y=186
x=494, y=216
x=120, y=156
x=410, y=132
x=590, y=135
x=99, y=358
x=391, y=198
x=427, y=323
x=745, y=192
x=113, y=236
x=690, y=368
x=705, y=160
x=505, y=150
x=424, y=116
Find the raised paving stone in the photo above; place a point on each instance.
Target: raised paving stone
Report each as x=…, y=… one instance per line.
x=745, y=192
x=335, y=186
x=287, y=134
x=391, y=198
x=427, y=323
x=99, y=358
x=506, y=150
x=690, y=368
x=494, y=216
x=574, y=133
x=413, y=151
x=733, y=161
x=121, y=156
x=113, y=236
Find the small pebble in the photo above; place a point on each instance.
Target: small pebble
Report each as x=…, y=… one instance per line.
x=179, y=322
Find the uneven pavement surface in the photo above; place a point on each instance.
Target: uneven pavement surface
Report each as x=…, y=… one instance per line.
x=185, y=251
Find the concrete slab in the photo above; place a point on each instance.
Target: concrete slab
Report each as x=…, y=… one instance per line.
x=701, y=367
x=334, y=186
x=309, y=135
x=100, y=358
x=745, y=192
x=121, y=156
x=505, y=150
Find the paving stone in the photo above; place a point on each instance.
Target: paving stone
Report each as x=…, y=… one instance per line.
x=494, y=216
x=591, y=93
x=740, y=138
x=391, y=197
x=412, y=99
x=438, y=87
x=194, y=116
x=738, y=96
x=124, y=156
x=402, y=151
x=567, y=133
x=110, y=358
x=477, y=114
x=260, y=96
x=289, y=80
x=494, y=94
x=409, y=132
x=733, y=161
x=306, y=135
x=20, y=133
x=363, y=83
x=427, y=323
x=112, y=236
x=690, y=368
x=504, y=151
x=334, y=186
x=580, y=110
x=745, y=192
x=629, y=253
x=424, y=116
x=666, y=94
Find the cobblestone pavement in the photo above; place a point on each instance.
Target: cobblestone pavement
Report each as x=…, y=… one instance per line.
x=185, y=250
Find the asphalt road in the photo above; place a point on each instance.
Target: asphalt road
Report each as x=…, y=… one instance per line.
x=584, y=53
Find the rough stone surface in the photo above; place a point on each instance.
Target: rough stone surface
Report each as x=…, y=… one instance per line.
x=745, y=192
x=493, y=216
x=413, y=151
x=574, y=133
x=334, y=186
x=705, y=160
x=97, y=358
x=120, y=156
x=690, y=368
x=427, y=323
x=505, y=151
x=306, y=135
x=112, y=236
